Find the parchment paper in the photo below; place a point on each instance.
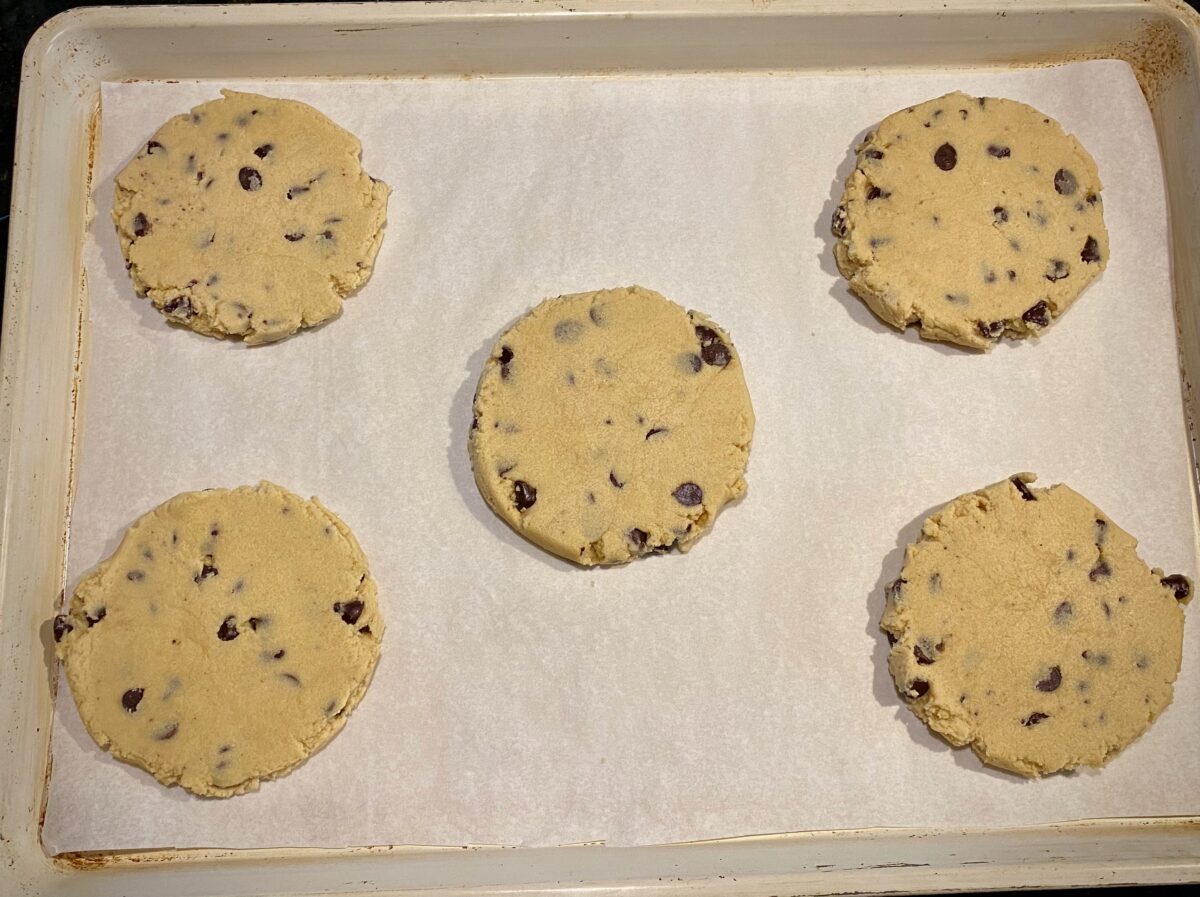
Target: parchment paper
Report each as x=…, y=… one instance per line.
x=739, y=689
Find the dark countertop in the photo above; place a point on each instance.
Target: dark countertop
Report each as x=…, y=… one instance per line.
x=19, y=19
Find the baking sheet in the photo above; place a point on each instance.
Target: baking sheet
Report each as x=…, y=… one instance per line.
x=736, y=690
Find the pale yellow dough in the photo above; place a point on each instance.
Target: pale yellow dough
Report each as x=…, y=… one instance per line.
x=611, y=425
x=1025, y=625
x=972, y=217
x=249, y=217
x=227, y=638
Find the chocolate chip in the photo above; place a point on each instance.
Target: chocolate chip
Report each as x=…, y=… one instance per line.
x=1023, y=489
x=567, y=331
x=935, y=582
x=945, y=157
x=1142, y=662
x=637, y=538
x=874, y=192
x=294, y=237
x=654, y=431
x=1100, y=571
x=1051, y=681
x=596, y=313
x=918, y=688
x=135, y=575
x=132, y=698
x=141, y=225
x=1101, y=531
x=1065, y=183
x=94, y=618
x=524, y=495
x=999, y=152
x=62, y=625
x=612, y=478
x=326, y=235
x=1092, y=199
x=206, y=570
x=874, y=154
x=712, y=348
x=991, y=329
x=1107, y=610
x=179, y=307
x=263, y=151
x=228, y=631
x=925, y=652
x=291, y=678
x=1057, y=269
x=1180, y=584
x=1070, y=554
x=1034, y=718
x=364, y=630
x=1063, y=612
x=250, y=179
x=892, y=640
x=1038, y=315
x=349, y=611
x=167, y=732
x=152, y=146
x=688, y=494
x=293, y=192
x=693, y=361
x=838, y=224
x=894, y=589
x=1012, y=275
x=255, y=622
x=1091, y=250
x=1099, y=658
x=506, y=356
x=1000, y=214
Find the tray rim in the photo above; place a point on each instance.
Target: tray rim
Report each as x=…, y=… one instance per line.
x=1157, y=849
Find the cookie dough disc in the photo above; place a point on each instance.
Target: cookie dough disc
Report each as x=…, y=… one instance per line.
x=974, y=218
x=228, y=638
x=1025, y=625
x=610, y=425
x=249, y=216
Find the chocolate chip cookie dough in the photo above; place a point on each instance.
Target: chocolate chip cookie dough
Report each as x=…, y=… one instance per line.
x=226, y=639
x=973, y=217
x=249, y=217
x=1025, y=625
x=611, y=425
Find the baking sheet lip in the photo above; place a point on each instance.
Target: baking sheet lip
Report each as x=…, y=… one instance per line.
x=89, y=859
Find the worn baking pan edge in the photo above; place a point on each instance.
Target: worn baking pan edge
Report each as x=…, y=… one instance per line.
x=42, y=346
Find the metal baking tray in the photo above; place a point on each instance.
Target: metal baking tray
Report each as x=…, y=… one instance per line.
x=45, y=334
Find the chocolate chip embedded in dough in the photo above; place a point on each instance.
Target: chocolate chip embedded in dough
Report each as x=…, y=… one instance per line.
x=567, y=331
x=945, y=157
x=167, y=732
x=152, y=146
x=1025, y=491
x=524, y=495
x=1051, y=680
x=179, y=307
x=62, y=625
x=263, y=151
x=918, y=688
x=991, y=329
x=506, y=357
x=1065, y=183
x=96, y=616
x=1034, y=718
x=1180, y=584
x=131, y=699
x=228, y=630
x=141, y=225
x=349, y=611
x=1101, y=571
x=998, y=152
x=688, y=494
x=206, y=570
x=1063, y=612
x=1038, y=314
x=250, y=179
x=712, y=348
x=1000, y=215
x=1091, y=251
x=1056, y=270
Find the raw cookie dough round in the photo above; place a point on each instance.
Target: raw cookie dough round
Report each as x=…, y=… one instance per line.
x=226, y=639
x=249, y=216
x=611, y=425
x=1025, y=625
x=974, y=218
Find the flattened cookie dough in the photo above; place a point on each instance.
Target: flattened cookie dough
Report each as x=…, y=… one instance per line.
x=972, y=217
x=226, y=639
x=249, y=217
x=611, y=425
x=1025, y=625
